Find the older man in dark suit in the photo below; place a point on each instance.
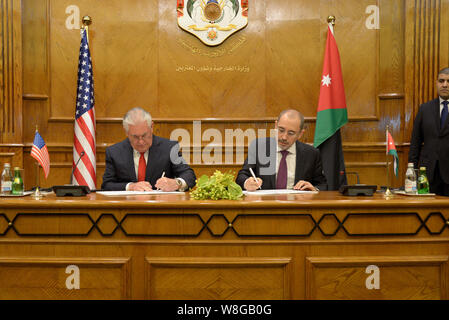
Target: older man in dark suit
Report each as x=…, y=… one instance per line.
x=283, y=163
x=429, y=145
x=144, y=161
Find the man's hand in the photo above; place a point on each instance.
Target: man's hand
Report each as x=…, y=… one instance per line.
x=251, y=184
x=140, y=186
x=304, y=185
x=167, y=184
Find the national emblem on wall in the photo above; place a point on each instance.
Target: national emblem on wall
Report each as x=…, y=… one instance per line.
x=212, y=21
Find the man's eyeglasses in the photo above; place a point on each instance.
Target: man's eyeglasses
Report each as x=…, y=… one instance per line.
x=137, y=138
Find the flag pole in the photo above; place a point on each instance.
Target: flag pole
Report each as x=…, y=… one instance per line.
x=86, y=22
x=387, y=192
x=37, y=194
x=331, y=23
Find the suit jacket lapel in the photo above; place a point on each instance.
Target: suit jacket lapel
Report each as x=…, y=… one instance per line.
x=272, y=144
x=273, y=181
x=153, y=160
x=299, y=169
x=436, y=114
x=445, y=128
x=130, y=160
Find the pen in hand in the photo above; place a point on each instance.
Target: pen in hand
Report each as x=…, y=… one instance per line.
x=254, y=176
x=163, y=175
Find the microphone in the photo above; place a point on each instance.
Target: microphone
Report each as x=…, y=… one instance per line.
x=357, y=189
x=71, y=190
x=76, y=165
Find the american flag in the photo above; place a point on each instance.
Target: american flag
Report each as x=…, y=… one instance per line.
x=39, y=152
x=84, y=140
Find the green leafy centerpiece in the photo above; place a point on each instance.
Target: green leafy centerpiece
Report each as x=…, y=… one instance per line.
x=217, y=187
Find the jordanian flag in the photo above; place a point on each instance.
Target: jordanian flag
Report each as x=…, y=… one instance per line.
x=391, y=150
x=331, y=116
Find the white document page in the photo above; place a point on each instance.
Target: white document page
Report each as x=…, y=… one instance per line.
x=134, y=193
x=278, y=191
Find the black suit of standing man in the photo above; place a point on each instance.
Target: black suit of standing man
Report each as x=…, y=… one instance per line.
x=303, y=162
x=138, y=162
x=429, y=145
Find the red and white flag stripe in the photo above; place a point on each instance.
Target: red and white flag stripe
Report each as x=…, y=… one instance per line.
x=85, y=172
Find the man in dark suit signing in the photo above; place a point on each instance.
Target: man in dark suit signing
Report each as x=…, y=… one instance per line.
x=144, y=161
x=429, y=145
x=283, y=162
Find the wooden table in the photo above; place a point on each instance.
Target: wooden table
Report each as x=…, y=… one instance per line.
x=304, y=246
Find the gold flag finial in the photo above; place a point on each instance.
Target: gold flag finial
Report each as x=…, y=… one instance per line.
x=331, y=20
x=87, y=21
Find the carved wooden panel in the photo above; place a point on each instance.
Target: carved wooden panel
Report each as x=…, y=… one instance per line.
x=217, y=278
x=45, y=278
x=408, y=277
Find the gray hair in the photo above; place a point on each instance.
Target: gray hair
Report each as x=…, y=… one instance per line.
x=293, y=112
x=134, y=116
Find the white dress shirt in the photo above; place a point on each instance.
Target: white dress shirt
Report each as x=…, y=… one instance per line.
x=136, y=158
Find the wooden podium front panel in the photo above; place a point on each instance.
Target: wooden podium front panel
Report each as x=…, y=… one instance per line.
x=197, y=278
x=45, y=278
x=408, y=277
x=313, y=246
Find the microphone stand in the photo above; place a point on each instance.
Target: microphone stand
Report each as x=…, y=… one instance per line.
x=71, y=190
x=76, y=165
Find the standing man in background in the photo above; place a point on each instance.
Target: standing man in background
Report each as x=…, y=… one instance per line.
x=429, y=145
x=144, y=161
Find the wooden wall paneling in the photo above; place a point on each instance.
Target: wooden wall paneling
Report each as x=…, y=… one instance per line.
x=293, y=75
x=359, y=53
x=279, y=34
x=36, y=86
x=13, y=154
x=443, y=32
x=36, y=59
x=392, y=81
x=423, y=42
x=203, y=82
x=122, y=41
x=391, y=50
x=11, y=72
x=427, y=51
x=391, y=76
